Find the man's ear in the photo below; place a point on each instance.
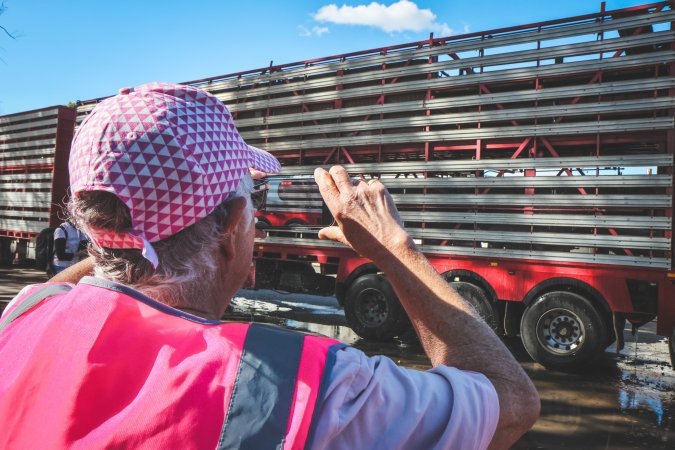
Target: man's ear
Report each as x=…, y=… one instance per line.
x=234, y=221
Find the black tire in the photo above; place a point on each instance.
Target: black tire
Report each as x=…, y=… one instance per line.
x=372, y=309
x=480, y=301
x=296, y=223
x=563, y=330
x=262, y=224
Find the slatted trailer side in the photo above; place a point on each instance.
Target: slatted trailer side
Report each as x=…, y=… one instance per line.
x=34, y=148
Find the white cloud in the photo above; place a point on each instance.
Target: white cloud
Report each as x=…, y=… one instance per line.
x=315, y=31
x=320, y=30
x=403, y=15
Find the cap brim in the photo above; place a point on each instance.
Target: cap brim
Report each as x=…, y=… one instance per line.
x=264, y=161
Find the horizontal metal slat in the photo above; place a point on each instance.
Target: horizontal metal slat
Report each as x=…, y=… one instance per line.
x=309, y=188
x=294, y=198
x=619, y=260
x=532, y=182
x=29, y=134
x=565, y=128
x=549, y=53
x=467, y=100
x=48, y=151
x=20, y=215
x=83, y=109
x=25, y=177
x=295, y=210
x=494, y=41
x=492, y=164
x=539, y=238
x=6, y=130
x=589, y=258
x=27, y=186
x=508, y=219
x=503, y=200
x=444, y=83
x=549, y=220
x=30, y=144
x=25, y=199
x=26, y=226
x=276, y=204
x=584, y=109
x=5, y=120
x=507, y=200
x=27, y=161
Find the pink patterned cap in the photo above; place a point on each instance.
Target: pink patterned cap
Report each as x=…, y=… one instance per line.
x=170, y=152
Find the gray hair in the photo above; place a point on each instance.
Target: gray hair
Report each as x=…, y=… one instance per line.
x=187, y=263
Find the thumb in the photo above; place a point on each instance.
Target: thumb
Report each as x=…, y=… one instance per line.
x=333, y=233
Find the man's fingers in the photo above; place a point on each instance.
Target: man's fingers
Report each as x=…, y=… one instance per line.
x=333, y=233
x=341, y=179
x=329, y=191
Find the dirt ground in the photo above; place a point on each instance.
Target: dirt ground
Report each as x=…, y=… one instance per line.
x=625, y=401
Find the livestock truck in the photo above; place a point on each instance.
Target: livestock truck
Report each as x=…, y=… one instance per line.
x=533, y=165
x=34, y=148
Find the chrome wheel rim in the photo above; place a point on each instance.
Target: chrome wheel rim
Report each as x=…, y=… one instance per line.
x=560, y=332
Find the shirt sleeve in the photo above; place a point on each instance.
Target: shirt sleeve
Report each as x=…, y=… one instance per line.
x=59, y=233
x=370, y=402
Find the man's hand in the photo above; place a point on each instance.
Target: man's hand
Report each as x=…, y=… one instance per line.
x=364, y=212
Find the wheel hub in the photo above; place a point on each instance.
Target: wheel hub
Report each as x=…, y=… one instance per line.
x=372, y=307
x=560, y=332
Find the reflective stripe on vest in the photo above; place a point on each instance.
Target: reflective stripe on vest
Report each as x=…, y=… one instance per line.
x=106, y=366
x=260, y=404
x=31, y=300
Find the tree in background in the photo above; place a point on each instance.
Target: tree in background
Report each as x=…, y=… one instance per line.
x=2, y=10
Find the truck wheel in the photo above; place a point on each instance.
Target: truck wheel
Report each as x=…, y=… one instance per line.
x=563, y=330
x=480, y=302
x=372, y=309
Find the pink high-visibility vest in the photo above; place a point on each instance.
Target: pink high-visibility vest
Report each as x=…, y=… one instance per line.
x=102, y=366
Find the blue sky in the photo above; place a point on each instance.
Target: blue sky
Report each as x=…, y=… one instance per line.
x=79, y=50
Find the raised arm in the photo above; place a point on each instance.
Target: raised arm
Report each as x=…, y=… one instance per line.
x=450, y=330
x=74, y=273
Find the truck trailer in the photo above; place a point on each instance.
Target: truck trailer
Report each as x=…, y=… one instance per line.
x=533, y=165
x=34, y=148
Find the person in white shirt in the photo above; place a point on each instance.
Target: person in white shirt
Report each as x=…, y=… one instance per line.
x=70, y=245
